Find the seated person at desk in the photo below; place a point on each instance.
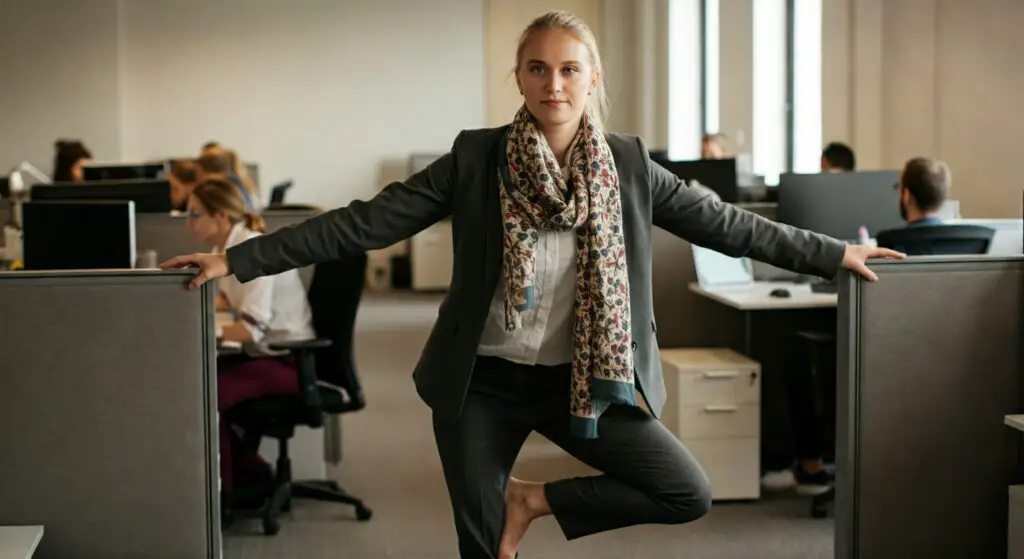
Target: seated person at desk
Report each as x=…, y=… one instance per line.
x=183, y=177
x=838, y=158
x=923, y=187
x=272, y=306
x=69, y=159
x=221, y=163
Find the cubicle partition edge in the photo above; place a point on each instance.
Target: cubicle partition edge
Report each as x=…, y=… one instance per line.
x=108, y=407
x=929, y=363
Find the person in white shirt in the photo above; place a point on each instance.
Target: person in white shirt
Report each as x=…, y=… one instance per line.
x=271, y=308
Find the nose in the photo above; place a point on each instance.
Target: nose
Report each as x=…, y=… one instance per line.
x=554, y=83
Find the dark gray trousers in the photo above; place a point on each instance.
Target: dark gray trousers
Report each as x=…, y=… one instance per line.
x=648, y=475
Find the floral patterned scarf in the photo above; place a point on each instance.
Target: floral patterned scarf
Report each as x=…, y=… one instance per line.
x=536, y=196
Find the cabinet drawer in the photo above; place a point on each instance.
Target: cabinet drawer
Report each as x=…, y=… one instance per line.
x=697, y=421
x=729, y=386
x=733, y=466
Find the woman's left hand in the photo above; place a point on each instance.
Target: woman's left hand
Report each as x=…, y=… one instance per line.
x=856, y=255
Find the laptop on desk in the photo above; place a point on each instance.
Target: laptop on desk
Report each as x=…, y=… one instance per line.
x=717, y=271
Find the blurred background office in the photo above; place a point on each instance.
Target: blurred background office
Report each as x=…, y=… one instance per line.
x=861, y=119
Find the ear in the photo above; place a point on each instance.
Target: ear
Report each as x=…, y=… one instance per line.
x=519, y=82
x=595, y=80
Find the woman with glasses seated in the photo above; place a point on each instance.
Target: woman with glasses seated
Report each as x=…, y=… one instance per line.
x=271, y=308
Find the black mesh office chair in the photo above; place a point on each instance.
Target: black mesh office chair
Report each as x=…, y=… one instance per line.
x=931, y=240
x=328, y=385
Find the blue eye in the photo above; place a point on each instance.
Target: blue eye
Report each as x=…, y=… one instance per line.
x=536, y=69
x=571, y=70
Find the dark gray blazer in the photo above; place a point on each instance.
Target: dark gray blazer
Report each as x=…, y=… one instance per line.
x=463, y=185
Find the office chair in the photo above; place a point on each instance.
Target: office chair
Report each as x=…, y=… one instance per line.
x=328, y=385
x=933, y=240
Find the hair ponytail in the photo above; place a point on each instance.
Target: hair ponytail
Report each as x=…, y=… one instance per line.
x=254, y=222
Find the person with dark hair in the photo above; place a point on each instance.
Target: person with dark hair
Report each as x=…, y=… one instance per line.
x=838, y=158
x=70, y=157
x=272, y=307
x=923, y=186
x=183, y=177
x=208, y=147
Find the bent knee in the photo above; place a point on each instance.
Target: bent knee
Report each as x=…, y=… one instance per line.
x=686, y=502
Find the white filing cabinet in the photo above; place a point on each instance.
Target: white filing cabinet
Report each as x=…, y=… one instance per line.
x=431, y=254
x=714, y=407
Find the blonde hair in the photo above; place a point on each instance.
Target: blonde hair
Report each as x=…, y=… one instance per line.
x=219, y=195
x=597, y=105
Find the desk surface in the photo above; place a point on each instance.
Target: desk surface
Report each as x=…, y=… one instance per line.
x=1015, y=421
x=19, y=542
x=757, y=297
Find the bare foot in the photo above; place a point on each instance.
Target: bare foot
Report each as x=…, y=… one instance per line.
x=524, y=502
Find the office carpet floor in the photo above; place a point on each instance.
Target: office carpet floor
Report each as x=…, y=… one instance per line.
x=390, y=461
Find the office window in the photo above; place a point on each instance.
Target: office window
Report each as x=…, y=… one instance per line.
x=685, y=119
x=806, y=85
x=770, y=130
x=711, y=66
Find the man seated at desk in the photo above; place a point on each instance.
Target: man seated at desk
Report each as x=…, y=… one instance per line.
x=923, y=187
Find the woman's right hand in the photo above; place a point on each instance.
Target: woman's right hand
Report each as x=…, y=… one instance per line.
x=211, y=266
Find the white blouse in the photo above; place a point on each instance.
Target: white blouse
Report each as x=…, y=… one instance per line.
x=272, y=308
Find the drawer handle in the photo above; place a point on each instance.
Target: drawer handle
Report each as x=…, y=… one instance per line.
x=721, y=374
x=720, y=409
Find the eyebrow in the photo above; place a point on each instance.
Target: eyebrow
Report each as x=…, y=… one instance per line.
x=535, y=61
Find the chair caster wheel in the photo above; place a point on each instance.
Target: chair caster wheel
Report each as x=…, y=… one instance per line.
x=270, y=525
x=287, y=506
x=363, y=514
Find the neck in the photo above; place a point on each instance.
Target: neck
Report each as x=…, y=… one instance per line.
x=560, y=138
x=914, y=214
x=221, y=239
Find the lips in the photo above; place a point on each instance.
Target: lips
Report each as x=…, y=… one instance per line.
x=555, y=102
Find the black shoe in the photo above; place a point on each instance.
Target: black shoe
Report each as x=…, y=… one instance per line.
x=811, y=484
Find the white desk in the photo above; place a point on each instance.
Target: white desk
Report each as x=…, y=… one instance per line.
x=19, y=542
x=757, y=297
x=1015, y=421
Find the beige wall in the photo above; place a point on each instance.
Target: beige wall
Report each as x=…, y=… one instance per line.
x=938, y=78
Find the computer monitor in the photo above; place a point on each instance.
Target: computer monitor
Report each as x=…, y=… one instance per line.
x=150, y=196
x=86, y=235
x=718, y=175
x=124, y=171
x=838, y=204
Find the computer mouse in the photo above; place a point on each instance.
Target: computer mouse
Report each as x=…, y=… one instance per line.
x=783, y=293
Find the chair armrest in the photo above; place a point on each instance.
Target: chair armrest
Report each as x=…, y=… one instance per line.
x=298, y=345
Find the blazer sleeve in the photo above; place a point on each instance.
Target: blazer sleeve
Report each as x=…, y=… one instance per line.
x=692, y=214
x=398, y=212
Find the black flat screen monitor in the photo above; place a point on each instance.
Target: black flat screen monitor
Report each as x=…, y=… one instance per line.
x=98, y=235
x=150, y=196
x=718, y=175
x=124, y=171
x=838, y=204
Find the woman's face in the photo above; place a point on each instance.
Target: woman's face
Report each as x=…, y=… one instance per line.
x=555, y=76
x=206, y=228
x=76, y=169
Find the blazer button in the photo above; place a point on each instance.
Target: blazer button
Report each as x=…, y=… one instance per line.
x=633, y=346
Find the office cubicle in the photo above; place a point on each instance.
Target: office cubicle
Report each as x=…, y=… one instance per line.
x=108, y=402
x=929, y=363
x=169, y=236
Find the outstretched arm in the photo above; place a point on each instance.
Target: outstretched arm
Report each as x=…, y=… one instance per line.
x=693, y=215
x=398, y=212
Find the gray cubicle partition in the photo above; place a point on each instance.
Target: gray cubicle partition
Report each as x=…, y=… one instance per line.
x=108, y=408
x=169, y=236
x=929, y=363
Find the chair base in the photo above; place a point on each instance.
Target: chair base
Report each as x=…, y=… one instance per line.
x=820, y=503
x=329, y=491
